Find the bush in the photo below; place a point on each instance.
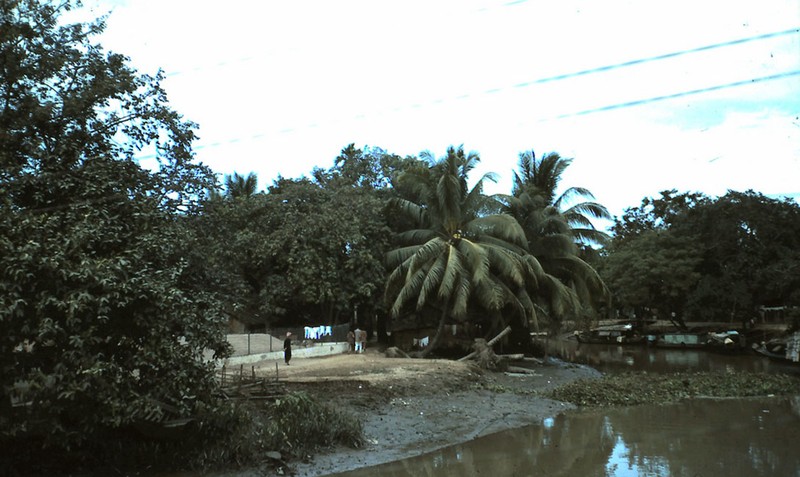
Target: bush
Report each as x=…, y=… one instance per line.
x=293, y=425
x=303, y=424
x=232, y=435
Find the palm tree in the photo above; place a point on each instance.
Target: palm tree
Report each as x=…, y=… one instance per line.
x=240, y=186
x=555, y=233
x=454, y=255
x=540, y=178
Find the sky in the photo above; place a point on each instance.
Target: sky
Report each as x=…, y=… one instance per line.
x=280, y=87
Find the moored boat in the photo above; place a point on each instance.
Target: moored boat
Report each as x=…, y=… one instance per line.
x=780, y=357
x=785, y=350
x=681, y=340
x=614, y=335
x=730, y=342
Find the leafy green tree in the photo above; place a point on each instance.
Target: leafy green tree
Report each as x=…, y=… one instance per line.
x=737, y=253
x=302, y=253
x=456, y=258
x=655, y=214
x=101, y=325
x=231, y=238
x=370, y=169
x=751, y=255
x=329, y=250
x=654, y=272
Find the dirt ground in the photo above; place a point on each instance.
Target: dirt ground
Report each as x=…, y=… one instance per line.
x=412, y=406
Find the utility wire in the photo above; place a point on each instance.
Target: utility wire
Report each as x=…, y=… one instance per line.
x=654, y=99
x=665, y=56
x=623, y=105
x=564, y=76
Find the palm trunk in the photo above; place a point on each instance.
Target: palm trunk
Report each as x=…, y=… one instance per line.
x=435, y=341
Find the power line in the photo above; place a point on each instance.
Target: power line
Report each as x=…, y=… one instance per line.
x=611, y=107
x=664, y=56
x=624, y=64
x=564, y=76
x=682, y=94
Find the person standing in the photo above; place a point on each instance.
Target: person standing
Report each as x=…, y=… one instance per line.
x=363, y=340
x=358, y=339
x=351, y=341
x=287, y=348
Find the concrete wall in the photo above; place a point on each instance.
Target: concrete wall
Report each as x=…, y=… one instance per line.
x=298, y=351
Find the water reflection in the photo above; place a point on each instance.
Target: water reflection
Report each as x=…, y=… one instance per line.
x=694, y=439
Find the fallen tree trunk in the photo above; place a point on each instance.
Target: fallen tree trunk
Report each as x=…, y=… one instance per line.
x=517, y=369
x=512, y=357
x=490, y=343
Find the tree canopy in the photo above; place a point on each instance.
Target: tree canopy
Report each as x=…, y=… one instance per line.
x=719, y=259
x=100, y=322
x=305, y=251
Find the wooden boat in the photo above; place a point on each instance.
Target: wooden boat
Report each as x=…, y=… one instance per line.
x=779, y=350
x=615, y=336
x=779, y=357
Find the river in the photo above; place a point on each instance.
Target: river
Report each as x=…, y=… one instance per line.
x=700, y=438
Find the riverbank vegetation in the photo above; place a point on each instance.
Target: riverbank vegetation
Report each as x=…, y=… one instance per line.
x=231, y=435
x=289, y=428
x=124, y=262
x=630, y=389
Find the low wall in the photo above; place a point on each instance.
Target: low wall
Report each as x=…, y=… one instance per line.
x=313, y=351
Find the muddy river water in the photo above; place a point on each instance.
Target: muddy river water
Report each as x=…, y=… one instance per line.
x=702, y=438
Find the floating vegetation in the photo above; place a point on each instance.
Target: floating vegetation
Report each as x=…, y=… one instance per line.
x=630, y=389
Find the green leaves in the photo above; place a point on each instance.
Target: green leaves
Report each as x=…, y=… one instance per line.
x=98, y=314
x=303, y=252
x=706, y=259
x=564, y=284
x=453, y=257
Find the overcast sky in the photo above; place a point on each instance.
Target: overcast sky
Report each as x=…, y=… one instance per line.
x=279, y=87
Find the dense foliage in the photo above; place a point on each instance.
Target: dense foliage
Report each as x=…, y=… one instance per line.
x=558, y=228
x=490, y=261
x=455, y=257
x=293, y=426
x=304, y=251
x=101, y=324
x=705, y=259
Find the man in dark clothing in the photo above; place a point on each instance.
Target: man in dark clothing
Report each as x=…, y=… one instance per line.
x=287, y=347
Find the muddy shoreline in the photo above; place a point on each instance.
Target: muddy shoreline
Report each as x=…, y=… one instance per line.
x=410, y=407
x=413, y=423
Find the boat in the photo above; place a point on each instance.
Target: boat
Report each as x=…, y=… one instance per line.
x=782, y=350
x=779, y=357
x=682, y=340
x=613, y=335
x=729, y=342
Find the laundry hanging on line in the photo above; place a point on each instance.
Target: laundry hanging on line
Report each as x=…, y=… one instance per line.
x=317, y=332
